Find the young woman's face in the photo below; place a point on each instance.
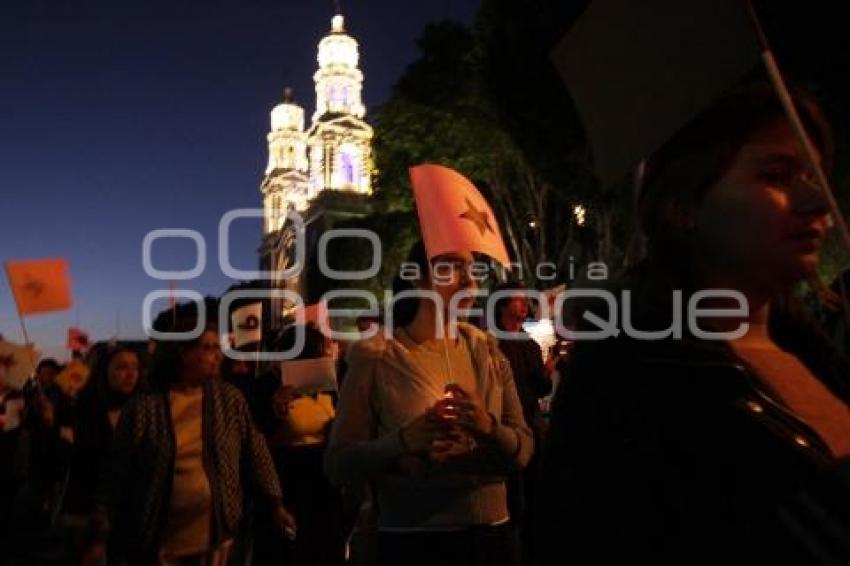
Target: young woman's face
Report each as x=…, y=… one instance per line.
x=123, y=372
x=450, y=274
x=762, y=224
x=518, y=307
x=203, y=359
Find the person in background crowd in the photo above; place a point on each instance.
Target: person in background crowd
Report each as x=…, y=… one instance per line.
x=531, y=377
x=697, y=449
x=50, y=425
x=245, y=339
x=182, y=459
x=117, y=377
x=296, y=422
x=11, y=472
x=530, y=372
x=437, y=443
x=241, y=374
x=46, y=372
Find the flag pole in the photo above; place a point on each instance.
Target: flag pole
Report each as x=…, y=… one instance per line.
x=24, y=330
x=441, y=319
x=785, y=98
x=449, y=379
x=20, y=319
x=172, y=303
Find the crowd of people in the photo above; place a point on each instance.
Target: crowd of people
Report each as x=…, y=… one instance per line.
x=725, y=439
x=174, y=454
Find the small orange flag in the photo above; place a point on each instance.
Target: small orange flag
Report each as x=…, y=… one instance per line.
x=78, y=340
x=453, y=215
x=41, y=285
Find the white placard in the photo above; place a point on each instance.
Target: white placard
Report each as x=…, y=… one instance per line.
x=317, y=374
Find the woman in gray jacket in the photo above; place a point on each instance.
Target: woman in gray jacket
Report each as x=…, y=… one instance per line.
x=435, y=425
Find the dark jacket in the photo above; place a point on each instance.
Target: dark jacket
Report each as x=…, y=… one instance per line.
x=675, y=452
x=92, y=436
x=526, y=361
x=135, y=488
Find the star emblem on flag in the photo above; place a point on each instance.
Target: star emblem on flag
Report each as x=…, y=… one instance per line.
x=7, y=361
x=33, y=286
x=478, y=217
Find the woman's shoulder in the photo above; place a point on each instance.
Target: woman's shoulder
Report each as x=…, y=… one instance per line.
x=148, y=398
x=476, y=336
x=369, y=349
x=227, y=397
x=483, y=344
x=144, y=413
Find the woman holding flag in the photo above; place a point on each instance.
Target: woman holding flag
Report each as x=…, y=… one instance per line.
x=429, y=412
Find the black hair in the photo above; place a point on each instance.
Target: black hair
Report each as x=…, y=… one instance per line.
x=404, y=310
x=48, y=363
x=314, y=342
x=168, y=354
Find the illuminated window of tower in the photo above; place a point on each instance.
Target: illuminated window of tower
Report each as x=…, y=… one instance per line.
x=347, y=166
x=331, y=97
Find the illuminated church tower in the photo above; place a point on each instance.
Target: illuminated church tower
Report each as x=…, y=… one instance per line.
x=336, y=152
x=325, y=172
x=340, y=142
x=286, y=182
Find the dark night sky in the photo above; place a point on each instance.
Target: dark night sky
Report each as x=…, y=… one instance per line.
x=119, y=117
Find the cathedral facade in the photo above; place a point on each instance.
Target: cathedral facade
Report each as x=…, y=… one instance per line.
x=335, y=152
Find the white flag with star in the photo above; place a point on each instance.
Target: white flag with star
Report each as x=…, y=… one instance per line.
x=453, y=216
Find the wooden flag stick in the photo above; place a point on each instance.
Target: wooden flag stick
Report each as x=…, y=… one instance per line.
x=449, y=378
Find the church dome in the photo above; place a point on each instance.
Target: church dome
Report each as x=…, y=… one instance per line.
x=288, y=115
x=338, y=48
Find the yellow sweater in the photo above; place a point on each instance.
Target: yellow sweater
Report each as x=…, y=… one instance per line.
x=306, y=421
x=190, y=514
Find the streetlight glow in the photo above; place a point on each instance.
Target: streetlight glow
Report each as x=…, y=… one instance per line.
x=580, y=214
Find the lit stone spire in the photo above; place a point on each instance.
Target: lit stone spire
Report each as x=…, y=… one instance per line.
x=285, y=184
x=339, y=81
x=287, y=139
